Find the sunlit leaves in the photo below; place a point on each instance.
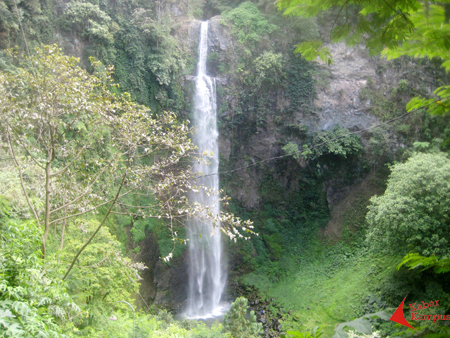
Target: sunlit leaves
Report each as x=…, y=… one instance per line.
x=266, y=70
x=30, y=305
x=416, y=261
x=338, y=142
x=89, y=21
x=310, y=50
x=292, y=149
x=249, y=25
x=239, y=323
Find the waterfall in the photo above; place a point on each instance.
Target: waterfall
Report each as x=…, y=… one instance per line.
x=207, y=276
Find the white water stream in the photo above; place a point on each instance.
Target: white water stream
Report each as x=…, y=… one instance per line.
x=207, y=275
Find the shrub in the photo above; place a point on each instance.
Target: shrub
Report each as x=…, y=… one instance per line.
x=238, y=323
x=249, y=25
x=413, y=214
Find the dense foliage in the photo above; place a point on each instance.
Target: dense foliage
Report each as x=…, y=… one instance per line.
x=31, y=304
x=338, y=142
x=248, y=24
x=412, y=213
x=310, y=254
x=80, y=140
x=137, y=37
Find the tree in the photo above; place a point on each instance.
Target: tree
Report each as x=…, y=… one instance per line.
x=81, y=149
x=248, y=25
x=413, y=213
x=89, y=22
x=402, y=27
x=238, y=323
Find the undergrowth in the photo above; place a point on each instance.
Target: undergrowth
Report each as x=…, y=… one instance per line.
x=326, y=286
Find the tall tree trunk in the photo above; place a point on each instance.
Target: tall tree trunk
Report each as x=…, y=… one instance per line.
x=47, y=207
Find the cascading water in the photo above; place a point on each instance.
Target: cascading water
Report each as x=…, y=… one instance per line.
x=207, y=276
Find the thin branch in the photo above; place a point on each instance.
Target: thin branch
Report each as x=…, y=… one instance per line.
x=75, y=158
x=88, y=188
x=148, y=307
x=21, y=29
x=25, y=148
x=337, y=16
x=101, y=224
x=122, y=213
x=87, y=211
x=80, y=213
x=136, y=206
x=61, y=246
x=398, y=12
x=21, y=178
x=69, y=124
x=95, y=265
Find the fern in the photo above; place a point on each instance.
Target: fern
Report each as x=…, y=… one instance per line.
x=314, y=333
x=415, y=260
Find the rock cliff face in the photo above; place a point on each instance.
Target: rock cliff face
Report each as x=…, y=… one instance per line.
x=340, y=99
x=339, y=103
x=161, y=283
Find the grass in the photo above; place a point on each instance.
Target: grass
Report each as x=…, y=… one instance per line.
x=326, y=289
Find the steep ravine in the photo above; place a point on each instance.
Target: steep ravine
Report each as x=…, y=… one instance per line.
x=338, y=100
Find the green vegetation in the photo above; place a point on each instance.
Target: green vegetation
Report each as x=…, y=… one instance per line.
x=262, y=62
x=414, y=260
x=412, y=213
x=82, y=154
x=329, y=283
x=136, y=37
x=83, y=165
x=248, y=24
x=354, y=276
x=292, y=149
x=78, y=151
x=30, y=306
x=239, y=323
x=325, y=271
x=405, y=28
x=315, y=333
x=35, y=303
x=338, y=142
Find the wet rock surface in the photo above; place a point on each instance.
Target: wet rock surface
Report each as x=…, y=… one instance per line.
x=162, y=284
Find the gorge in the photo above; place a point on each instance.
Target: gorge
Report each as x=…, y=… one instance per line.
x=326, y=159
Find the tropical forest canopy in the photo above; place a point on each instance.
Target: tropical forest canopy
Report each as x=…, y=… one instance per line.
x=95, y=102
